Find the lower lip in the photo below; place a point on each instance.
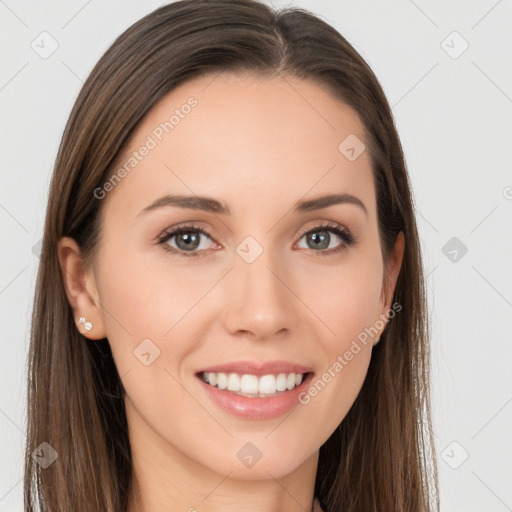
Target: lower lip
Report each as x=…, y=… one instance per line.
x=256, y=408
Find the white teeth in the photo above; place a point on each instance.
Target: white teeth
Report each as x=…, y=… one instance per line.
x=212, y=378
x=281, y=382
x=222, y=380
x=233, y=382
x=267, y=384
x=251, y=385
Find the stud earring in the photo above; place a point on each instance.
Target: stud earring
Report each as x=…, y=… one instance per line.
x=87, y=325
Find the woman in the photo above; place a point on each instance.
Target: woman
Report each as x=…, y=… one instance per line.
x=230, y=311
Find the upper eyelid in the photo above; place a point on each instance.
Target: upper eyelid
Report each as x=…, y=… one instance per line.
x=323, y=225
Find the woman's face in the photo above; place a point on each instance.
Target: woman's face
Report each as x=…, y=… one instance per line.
x=266, y=284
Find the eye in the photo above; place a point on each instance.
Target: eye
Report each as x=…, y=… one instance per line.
x=188, y=240
x=319, y=238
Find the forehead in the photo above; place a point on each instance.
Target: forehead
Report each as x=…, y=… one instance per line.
x=245, y=139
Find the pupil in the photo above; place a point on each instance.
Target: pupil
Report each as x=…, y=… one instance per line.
x=322, y=240
x=189, y=239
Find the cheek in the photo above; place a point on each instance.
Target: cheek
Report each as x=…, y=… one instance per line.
x=148, y=296
x=332, y=393
x=347, y=302
x=151, y=298
x=345, y=299
x=147, y=312
x=138, y=304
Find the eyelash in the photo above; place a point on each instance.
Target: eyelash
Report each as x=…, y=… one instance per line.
x=347, y=237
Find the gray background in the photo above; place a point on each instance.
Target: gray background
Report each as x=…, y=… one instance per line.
x=452, y=109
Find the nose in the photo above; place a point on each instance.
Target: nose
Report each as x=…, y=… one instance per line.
x=260, y=302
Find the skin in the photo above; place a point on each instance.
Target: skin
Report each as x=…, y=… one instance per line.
x=258, y=145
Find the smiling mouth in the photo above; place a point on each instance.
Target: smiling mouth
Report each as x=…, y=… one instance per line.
x=253, y=386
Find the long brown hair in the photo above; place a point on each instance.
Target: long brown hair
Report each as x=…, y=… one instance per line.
x=381, y=457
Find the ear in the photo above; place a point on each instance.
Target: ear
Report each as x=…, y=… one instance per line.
x=392, y=272
x=81, y=289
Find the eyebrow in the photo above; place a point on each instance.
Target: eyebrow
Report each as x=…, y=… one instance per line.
x=208, y=204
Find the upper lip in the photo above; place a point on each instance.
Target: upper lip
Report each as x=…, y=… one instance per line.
x=258, y=369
